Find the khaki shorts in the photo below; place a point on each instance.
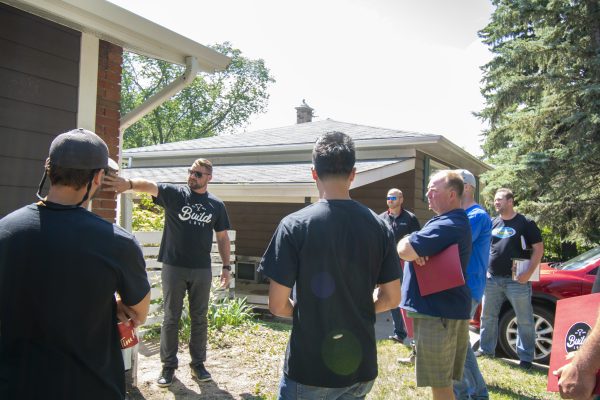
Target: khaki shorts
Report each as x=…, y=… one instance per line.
x=441, y=346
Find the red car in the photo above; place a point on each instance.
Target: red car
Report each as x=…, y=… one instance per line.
x=557, y=281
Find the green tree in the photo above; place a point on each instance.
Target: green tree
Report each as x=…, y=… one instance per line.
x=213, y=103
x=542, y=92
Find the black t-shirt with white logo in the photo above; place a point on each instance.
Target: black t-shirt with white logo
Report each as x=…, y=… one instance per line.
x=335, y=252
x=190, y=219
x=511, y=239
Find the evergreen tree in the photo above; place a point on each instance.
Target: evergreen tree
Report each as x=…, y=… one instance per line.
x=542, y=91
x=213, y=103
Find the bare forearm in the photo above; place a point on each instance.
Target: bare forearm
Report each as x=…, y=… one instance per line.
x=224, y=248
x=285, y=309
x=406, y=251
x=144, y=185
x=387, y=296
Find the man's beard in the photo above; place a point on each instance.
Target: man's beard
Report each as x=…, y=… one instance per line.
x=195, y=185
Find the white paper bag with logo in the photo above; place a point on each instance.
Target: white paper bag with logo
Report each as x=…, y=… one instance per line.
x=520, y=265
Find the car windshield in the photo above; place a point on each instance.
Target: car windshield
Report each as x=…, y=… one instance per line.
x=581, y=260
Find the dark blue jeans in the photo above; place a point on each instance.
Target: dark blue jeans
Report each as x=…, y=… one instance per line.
x=176, y=281
x=292, y=390
x=399, y=327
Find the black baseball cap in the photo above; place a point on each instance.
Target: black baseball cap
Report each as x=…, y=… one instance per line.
x=80, y=149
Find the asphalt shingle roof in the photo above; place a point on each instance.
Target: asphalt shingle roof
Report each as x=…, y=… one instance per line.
x=247, y=173
x=287, y=135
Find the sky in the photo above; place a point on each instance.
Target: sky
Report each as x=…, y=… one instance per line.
x=410, y=65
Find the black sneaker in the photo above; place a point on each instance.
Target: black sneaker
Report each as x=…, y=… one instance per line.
x=200, y=373
x=526, y=365
x=166, y=377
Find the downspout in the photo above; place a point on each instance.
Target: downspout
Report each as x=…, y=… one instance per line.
x=165, y=94
x=133, y=116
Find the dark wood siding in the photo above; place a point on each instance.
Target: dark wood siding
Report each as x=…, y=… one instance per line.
x=255, y=224
x=39, y=77
x=374, y=194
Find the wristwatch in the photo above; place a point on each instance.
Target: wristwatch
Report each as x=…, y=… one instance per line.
x=227, y=267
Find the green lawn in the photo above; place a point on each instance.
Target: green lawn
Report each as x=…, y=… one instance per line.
x=504, y=379
x=264, y=347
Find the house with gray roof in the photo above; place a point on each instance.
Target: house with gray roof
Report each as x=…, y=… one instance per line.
x=60, y=69
x=264, y=175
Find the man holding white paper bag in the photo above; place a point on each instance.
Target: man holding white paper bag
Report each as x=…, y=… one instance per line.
x=513, y=237
x=441, y=319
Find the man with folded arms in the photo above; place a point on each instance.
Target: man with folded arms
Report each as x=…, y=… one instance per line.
x=441, y=320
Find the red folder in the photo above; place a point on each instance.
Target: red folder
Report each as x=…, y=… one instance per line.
x=574, y=319
x=440, y=272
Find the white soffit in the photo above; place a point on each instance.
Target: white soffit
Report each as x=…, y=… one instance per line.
x=116, y=25
x=376, y=174
x=291, y=182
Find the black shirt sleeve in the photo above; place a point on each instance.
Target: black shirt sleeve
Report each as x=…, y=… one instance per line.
x=390, y=267
x=222, y=222
x=532, y=232
x=133, y=284
x=280, y=261
x=167, y=193
x=414, y=224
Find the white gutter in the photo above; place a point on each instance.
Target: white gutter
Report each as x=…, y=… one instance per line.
x=284, y=148
x=165, y=94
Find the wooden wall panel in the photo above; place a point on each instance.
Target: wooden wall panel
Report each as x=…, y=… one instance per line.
x=255, y=224
x=39, y=78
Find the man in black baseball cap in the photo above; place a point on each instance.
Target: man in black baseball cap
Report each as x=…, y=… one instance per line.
x=80, y=150
x=60, y=267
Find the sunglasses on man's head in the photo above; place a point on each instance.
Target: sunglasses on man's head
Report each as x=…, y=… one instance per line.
x=391, y=197
x=197, y=174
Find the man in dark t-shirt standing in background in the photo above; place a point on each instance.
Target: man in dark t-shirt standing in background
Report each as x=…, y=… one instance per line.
x=402, y=223
x=512, y=235
x=335, y=251
x=60, y=267
x=191, y=216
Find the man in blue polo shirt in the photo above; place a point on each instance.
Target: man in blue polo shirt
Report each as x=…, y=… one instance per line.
x=441, y=320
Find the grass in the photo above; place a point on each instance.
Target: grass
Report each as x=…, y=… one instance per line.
x=259, y=347
x=504, y=379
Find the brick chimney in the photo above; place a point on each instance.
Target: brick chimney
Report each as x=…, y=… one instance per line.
x=304, y=113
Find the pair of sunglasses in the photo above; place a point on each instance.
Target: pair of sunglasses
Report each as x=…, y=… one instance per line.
x=197, y=174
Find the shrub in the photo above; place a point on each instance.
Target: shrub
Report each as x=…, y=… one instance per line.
x=146, y=215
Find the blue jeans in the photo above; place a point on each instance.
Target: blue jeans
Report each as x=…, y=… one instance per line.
x=292, y=390
x=399, y=328
x=472, y=385
x=497, y=289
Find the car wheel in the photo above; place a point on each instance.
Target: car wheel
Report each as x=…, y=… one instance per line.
x=543, y=321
